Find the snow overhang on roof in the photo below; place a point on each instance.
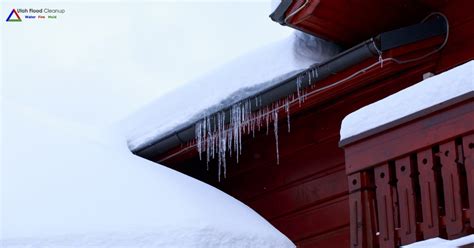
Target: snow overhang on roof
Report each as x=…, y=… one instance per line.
x=155, y=143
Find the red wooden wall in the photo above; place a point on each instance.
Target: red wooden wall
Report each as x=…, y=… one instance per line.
x=306, y=195
x=348, y=22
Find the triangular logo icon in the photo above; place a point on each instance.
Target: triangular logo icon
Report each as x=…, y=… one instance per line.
x=15, y=18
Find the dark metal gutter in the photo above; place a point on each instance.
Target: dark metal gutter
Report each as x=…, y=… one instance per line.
x=353, y=56
x=279, y=14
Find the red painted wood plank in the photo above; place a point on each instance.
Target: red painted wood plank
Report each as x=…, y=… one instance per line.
x=452, y=191
x=461, y=21
x=458, y=11
x=307, y=130
x=309, y=162
x=301, y=195
x=406, y=200
x=349, y=22
x=384, y=196
x=429, y=195
x=317, y=220
x=452, y=55
x=335, y=239
x=468, y=152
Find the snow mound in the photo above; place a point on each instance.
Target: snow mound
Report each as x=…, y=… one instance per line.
x=66, y=187
x=430, y=92
x=241, y=78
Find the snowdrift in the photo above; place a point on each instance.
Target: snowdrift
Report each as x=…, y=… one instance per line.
x=63, y=186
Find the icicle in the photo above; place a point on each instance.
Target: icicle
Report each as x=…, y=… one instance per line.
x=213, y=143
x=309, y=76
x=287, y=110
x=267, y=119
x=236, y=128
x=221, y=144
x=219, y=158
x=229, y=141
x=214, y=137
x=245, y=118
x=198, y=133
x=224, y=141
x=209, y=138
x=241, y=125
x=275, y=127
x=214, y=140
x=299, y=81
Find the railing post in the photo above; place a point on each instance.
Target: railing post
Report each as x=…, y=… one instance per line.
x=406, y=198
x=452, y=189
x=384, y=193
x=362, y=212
x=429, y=194
x=468, y=152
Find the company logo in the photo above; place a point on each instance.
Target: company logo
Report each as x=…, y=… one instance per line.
x=32, y=14
x=15, y=18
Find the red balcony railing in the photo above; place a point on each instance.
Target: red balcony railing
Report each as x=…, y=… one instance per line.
x=413, y=179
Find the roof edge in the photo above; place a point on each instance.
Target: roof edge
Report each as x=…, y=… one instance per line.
x=367, y=49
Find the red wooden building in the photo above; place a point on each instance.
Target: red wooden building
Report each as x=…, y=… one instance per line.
x=324, y=193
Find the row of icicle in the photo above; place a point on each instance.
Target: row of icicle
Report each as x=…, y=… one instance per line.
x=219, y=135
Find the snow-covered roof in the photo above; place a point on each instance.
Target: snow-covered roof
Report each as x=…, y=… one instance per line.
x=64, y=186
x=234, y=81
x=430, y=92
x=443, y=243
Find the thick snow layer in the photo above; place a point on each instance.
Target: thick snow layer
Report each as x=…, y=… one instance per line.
x=62, y=186
x=443, y=243
x=237, y=80
x=430, y=92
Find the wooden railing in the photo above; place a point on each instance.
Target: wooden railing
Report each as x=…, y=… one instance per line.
x=413, y=180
